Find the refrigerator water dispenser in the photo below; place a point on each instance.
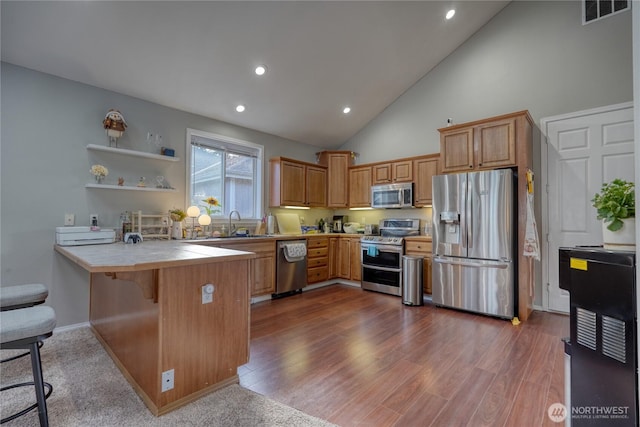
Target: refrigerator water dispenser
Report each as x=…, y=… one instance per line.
x=451, y=224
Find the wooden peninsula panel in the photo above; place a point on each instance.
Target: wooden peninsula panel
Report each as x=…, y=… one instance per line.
x=146, y=309
x=208, y=341
x=127, y=325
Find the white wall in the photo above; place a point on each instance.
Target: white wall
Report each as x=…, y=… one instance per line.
x=47, y=123
x=533, y=55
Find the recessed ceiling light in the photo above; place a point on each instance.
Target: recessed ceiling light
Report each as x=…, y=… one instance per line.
x=240, y=108
x=346, y=110
x=260, y=70
x=450, y=14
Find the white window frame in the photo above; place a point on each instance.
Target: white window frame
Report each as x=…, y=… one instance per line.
x=259, y=191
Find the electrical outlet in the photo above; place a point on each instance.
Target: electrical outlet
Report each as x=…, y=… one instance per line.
x=207, y=293
x=69, y=219
x=93, y=220
x=167, y=380
x=301, y=220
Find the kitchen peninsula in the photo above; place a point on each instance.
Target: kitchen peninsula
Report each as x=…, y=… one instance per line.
x=173, y=316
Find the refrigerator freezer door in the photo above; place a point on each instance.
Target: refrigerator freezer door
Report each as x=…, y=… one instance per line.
x=490, y=213
x=473, y=285
x=449, y=223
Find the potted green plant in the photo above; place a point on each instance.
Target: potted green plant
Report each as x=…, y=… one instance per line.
x=616, y=207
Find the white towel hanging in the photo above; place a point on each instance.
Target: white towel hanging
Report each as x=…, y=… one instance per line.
x=295, y=251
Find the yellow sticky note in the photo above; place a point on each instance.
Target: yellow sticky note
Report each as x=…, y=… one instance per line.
x=578, y=264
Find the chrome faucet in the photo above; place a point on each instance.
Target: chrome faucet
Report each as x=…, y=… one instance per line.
x=233, y=231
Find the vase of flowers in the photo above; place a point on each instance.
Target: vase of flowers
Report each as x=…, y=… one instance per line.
x=177, y=216
x=99, y=172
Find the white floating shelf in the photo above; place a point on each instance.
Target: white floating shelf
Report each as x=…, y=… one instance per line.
x=125, y=187
x=133, y=153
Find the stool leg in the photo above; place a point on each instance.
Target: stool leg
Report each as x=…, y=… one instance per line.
x=36, y=366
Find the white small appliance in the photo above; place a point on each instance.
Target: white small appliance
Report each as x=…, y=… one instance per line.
x=76, y=236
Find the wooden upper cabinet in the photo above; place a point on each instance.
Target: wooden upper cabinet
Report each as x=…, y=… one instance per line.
x=382, y=173
x=294, y=183
x=360, y=187
x=316, y=188
x=425, y=168
x=389, y=173
x=456, y=150
x=495, y=144
x=337, y=163
x=402, y=171
x=485, y=144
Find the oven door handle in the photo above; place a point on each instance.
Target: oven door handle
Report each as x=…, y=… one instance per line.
x=375, y=267
x=386, y=248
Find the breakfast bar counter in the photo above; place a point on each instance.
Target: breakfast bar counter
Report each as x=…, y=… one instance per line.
x=173, y=316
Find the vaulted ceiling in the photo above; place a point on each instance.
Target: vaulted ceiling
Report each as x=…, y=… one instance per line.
x=320, y=56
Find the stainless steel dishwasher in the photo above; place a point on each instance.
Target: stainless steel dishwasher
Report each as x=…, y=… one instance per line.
x=291, y=268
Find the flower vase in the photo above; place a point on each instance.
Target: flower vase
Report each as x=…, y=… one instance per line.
x=176, y=230
x=99, y=179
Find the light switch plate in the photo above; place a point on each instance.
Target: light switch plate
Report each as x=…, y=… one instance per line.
x=69, y=219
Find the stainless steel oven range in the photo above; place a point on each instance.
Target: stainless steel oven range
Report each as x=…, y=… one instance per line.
x=381, y=256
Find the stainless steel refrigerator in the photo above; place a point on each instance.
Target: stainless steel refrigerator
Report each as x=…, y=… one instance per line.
x=474, y=242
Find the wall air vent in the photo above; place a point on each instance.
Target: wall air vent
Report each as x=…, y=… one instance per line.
x=613, y=339
x=593, y=10
x=586, y=325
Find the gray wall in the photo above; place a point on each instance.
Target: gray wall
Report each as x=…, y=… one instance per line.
x=533, y=55
x=47, y=123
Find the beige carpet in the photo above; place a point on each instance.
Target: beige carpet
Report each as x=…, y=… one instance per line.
x=88, y=390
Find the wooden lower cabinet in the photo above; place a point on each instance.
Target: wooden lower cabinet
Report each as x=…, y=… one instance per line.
x=334, y=257
x=421, y=246
x=317, y=259
x=344, y=258
x=263, y=267
x=348, y=258
x=356, y=268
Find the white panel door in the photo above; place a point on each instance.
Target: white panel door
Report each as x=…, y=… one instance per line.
x=584, y=150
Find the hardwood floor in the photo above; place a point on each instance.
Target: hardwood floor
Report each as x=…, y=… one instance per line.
x=359, y=358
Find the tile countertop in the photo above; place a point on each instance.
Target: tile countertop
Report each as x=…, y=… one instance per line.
x=116, y=257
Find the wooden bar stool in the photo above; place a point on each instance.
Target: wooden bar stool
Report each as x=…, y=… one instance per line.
x=25, y=328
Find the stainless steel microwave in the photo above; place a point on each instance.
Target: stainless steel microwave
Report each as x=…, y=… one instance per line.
x=392, y=195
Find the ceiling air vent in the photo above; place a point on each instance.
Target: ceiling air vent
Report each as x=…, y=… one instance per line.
x=593, y=10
